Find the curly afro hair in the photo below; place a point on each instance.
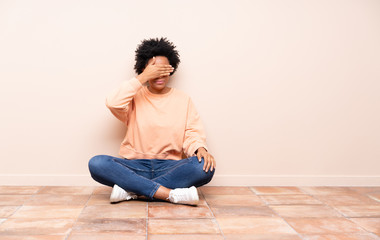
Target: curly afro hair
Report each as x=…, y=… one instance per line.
x=155, y=47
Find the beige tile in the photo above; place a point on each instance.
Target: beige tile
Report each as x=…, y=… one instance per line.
x=262, y=237
x=201, y=197
x=179, y=211
x=226, y=190
x=36, y=227
x=13, y=199
x=359, y=210
x=323, y=225
x=242, y=211
x=289, y=199
x=182, y=226
x=350, y=199
x=41, y=212
x=304, y=211
x=23, y=190
x=366, y=190
x=35, y=237
x=104, y=199
x=202, y=202
x=66, y=190
x=234, y=200
x=328, y=190
x=375, y=196
x=105, y=236
x=102, y=190
x=115, y=211
x=276, y=190
x=99, y=199
x=254, y=226
x=57, y=199
x=132, y=226
x=342, y=236
x=369, y=224
x=186, y=237
x=7, y=211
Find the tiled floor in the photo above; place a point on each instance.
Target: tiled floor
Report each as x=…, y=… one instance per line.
x=286, y=213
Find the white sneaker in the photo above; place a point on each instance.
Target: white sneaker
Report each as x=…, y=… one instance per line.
x=118, y=194
x=184, y=196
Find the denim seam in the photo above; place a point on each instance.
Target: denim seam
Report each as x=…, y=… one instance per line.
x=172, y=169
x=169, y=168
x=151, y=194
x=137, y=169
x=157, y=185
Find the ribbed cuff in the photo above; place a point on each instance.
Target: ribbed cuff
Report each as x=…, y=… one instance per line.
x=135, y=83
x=194, y=147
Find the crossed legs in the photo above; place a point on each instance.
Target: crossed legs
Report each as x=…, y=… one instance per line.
x=152, y=178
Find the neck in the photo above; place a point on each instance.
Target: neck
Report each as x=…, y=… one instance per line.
x=162, y=91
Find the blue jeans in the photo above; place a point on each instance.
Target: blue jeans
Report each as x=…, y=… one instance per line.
x=145, y=176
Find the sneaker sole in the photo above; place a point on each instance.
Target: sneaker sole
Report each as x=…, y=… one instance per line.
x=114, y=198
x=195, y=192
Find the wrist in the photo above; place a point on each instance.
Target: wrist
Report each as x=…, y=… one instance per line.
x=201, y=149
x=142, y=78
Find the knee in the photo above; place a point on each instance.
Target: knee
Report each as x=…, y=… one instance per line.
x=209, y=176
x=203, y=176
x=96, y=163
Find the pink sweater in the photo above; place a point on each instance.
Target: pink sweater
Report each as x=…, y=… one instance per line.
x=159, y=126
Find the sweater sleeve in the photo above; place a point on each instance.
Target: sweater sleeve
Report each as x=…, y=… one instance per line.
x=194, y=133
x=119, y=101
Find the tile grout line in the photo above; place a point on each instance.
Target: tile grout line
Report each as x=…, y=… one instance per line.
x=365, y=230
x=217, y=223
x=266, y=204
x=337, y=210
x=349, y=218
x=328, y=206
x=373, y=198
x=39, y=190
x=18, y=208
x=315, y=196
x=76, y=220
x=323, y=203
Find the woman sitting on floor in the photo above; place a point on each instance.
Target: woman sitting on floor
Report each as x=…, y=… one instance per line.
x=162, y=123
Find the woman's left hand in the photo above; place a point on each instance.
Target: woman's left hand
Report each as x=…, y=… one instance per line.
x=208, y=158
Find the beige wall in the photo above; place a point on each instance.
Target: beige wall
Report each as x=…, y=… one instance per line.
x=288, y=90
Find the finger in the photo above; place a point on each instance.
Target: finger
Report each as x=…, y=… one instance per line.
x=165, y=70
x=164, y=67
x=208, y=163
x=199, y=158
x=212, y=164
x=154, y=61
x=164, y=74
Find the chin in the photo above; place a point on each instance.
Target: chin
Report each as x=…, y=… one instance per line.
x=159, y=86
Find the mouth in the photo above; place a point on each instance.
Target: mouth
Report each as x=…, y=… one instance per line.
x=159, y=82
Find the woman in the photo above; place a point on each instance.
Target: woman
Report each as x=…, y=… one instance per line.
x=162, y=123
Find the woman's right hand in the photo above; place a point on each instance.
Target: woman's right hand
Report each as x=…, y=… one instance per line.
x=154, y=71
